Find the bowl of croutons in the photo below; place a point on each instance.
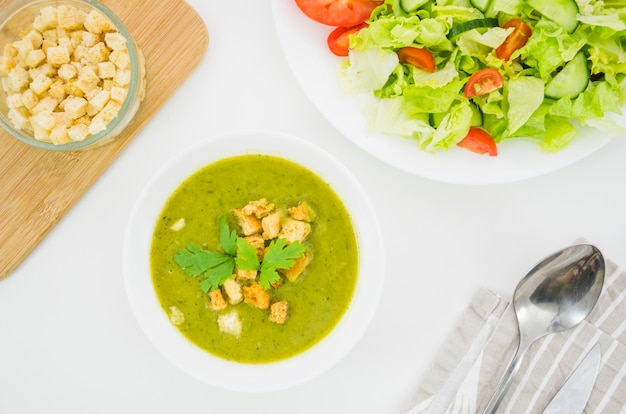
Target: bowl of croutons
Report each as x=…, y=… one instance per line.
x=253, y=261
x=71, y=75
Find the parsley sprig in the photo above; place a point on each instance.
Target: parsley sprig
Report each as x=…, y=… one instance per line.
x=216, y=267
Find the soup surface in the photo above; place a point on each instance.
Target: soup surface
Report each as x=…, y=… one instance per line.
x=317, y=299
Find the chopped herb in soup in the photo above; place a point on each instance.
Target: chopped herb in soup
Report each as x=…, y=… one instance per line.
x=254, y=258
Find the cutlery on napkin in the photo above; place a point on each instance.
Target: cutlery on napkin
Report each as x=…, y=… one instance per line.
x=471, y=361
x=572, y=397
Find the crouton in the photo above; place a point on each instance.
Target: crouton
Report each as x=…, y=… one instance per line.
x=17, y=80
x=118, y=94
x=63, y=39
x=18, y=118
x=120, y=59
x=49, y=36
x=40, y=84
x=35, y=58
x=67, y=72
x=249, y=223
x=10, y=51
x=6, y=64
x=302, y=212
x=57, y=90
x=87, y=79
x=58, y=134
x=58, y=55
x=301, y=263
x=255, y=295
x=106, y=115
x=123, y=77
x=97, y=102
x=246, y=274
x=68, y=17
x=43, y=120
x=177, y=317
x=115, y=41
x=35, y=37
x=271, y=225
x=47, y=19
x=106, y=70
x=15, y=100
x=78, y=132
x=230, y=323
x=178, y=225
x=61, y=118
x=23, y=47
x=232, y=289
x=279, y=312
x=217, y=300
x=76, y=107
x=89, y=39
x=40, y=133
x=98, y=53
x=29, y=99
x=45, y=105
x=258, y=208
x=97, y=23
x=294, y=230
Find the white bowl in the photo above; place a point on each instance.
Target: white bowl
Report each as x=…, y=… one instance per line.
x=203, y=365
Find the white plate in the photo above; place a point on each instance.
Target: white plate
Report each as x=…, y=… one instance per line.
x=304, y=44
x=199, y=363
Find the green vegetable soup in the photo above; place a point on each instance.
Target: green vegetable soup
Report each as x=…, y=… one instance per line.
x=317, y=299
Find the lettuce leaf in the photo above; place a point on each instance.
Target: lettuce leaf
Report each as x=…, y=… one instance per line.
x=400, y=98
x=367, y=70
x=525, y=95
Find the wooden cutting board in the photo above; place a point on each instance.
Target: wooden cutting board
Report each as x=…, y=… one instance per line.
x=38, y=187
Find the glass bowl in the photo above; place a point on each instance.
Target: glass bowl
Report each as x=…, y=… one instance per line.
x=18, y=22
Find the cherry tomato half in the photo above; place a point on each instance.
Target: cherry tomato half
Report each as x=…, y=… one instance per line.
x=483, y=82
x=515, y=40
x=418, y=57
x=339, y=39
x=479, y=141
x=343, y=13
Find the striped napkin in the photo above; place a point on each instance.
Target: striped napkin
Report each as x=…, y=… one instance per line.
x=473, y=359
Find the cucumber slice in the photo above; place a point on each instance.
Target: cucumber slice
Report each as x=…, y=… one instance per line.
x=616, y=4
x=562, y=12
x=436, y=118
x=571, y=80
x=477, y=115
x=471, y=24
x=481, y=5
x=412, y=5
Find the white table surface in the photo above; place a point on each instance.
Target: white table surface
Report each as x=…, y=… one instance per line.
x=70, y=344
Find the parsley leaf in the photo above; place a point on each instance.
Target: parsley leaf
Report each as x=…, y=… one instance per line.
x=228, y=239
x=279, y=255
x=216, y=276
x=247, y=258
x=195, y=261
x=216, y=267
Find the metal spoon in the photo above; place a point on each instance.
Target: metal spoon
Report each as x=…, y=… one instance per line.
x=557, y=294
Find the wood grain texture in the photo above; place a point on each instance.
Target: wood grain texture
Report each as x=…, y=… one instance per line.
x=38, y=187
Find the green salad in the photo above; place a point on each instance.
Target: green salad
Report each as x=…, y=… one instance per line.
x=475, y=73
